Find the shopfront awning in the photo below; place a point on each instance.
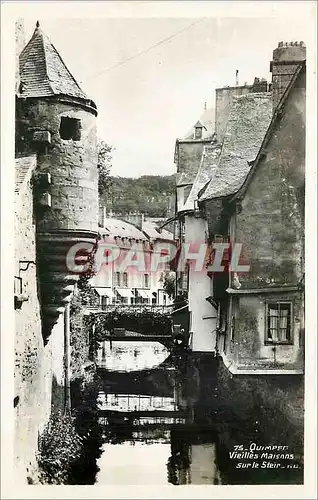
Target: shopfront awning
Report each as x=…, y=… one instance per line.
x=105, y=292
x=145, y=294
x=125, y=292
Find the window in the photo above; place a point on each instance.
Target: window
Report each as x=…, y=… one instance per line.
x=278, y=329
x=125, y=279
x=117, y=279
x=198, y=133
x=146, y=280
x=70, y=128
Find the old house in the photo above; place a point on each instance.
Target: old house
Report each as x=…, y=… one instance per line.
x=128, y=278
x=249, y=194
x=56, y=207
x=197, y=171
x=189, y=152
x=256, y=198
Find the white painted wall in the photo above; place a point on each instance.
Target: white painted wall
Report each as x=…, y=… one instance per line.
x=203, y=315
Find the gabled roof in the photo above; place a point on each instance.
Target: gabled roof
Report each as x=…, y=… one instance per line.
x=199, y=124
x=207, y=122
x=209, y=162
x=248, y=121
x=241, y=191
x=43, y=72
x=24, y=167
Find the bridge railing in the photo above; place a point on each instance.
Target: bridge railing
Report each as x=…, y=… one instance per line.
x=132, y=307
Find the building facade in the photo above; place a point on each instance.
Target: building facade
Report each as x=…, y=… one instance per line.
x=127, y=277
x=257, y=316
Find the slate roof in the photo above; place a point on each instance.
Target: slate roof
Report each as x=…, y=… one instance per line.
x=150, y=229
x=116, y=227
x=43, y=72
x=185, y=178
x=24, y=167
x=248, y=122
x=209, y=162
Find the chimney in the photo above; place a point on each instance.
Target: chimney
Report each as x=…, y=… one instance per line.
x=102, y=216
x=260, y=85
x=286, y=59
x=135, y=218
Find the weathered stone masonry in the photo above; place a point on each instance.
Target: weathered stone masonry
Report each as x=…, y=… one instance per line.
x=56, y=206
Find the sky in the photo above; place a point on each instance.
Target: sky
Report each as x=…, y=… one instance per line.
x=145, y=101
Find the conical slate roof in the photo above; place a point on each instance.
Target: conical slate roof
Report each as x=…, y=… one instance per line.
x=43, y=72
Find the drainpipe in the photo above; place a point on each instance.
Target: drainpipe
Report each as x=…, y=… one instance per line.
x=217, y=330
x=67, y=364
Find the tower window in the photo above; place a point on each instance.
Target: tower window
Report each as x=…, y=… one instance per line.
x=70, y=128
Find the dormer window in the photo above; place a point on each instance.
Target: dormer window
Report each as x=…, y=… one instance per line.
x=198, y=132
x=70, y=129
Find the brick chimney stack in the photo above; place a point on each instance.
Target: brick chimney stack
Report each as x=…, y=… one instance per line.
x=286, y=59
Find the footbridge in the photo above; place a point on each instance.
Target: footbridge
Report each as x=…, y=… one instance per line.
x=131, y=323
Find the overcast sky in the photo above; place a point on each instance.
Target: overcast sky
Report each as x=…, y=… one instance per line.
x=147, y=102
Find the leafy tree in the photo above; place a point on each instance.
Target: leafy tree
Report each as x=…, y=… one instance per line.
x=104, y=164
x=168, y=281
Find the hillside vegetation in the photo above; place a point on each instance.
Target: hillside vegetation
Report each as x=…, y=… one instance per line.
x=152, y=194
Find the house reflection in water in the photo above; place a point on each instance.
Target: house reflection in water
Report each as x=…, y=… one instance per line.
x=192, y=463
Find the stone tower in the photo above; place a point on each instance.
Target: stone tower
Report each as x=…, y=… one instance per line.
x=286, y=58
x=57, y=121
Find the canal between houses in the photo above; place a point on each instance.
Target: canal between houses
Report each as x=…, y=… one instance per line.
x=162, y=422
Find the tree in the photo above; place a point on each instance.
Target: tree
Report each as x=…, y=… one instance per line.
x=168, y=280
x=104, y=164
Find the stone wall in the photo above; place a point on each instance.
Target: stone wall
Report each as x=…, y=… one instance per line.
x=271, y=222
x=38, y=375
x=71, y=163
x=189, y=157
x=248, y=346
x=266, y=410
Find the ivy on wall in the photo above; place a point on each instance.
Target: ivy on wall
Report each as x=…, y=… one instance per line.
x=141, y=321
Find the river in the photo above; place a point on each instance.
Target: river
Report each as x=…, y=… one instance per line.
x=164, y=422
x=152, y=450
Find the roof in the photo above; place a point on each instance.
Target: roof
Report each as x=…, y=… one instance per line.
x=43, y=72
x=151, y=230
x=249, y=118
x=209, y=162
x=24, y=167
x=185, y=178
x=268, y=135
x=207, y=122
x=115, y=227
x=199, y=124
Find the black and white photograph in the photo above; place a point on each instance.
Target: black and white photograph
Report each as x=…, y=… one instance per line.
x=158, y=287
